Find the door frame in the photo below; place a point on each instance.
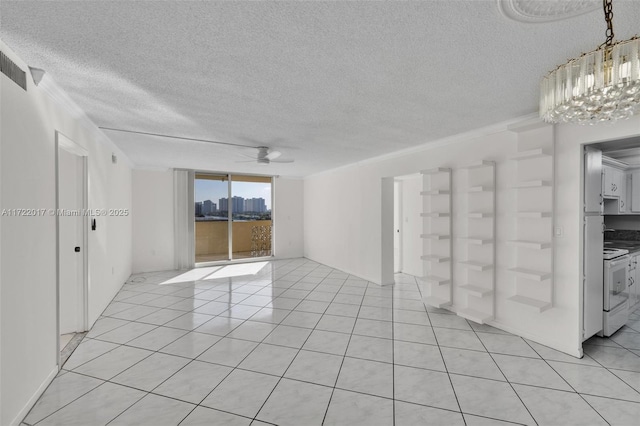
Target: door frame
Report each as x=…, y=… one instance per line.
x=398, y=204
x=65, y=143
x=230, y=259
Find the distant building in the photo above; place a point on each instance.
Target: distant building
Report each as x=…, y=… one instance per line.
x=198, y=208
x=255, y=205
x=237, y=203
x=223, y=203
x=208, y=207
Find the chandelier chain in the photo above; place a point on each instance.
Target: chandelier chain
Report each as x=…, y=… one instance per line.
x=608, y=17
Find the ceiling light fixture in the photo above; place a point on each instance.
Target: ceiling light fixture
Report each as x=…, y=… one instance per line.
x=599, y=86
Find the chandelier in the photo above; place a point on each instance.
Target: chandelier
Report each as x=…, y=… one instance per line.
x=600, y=86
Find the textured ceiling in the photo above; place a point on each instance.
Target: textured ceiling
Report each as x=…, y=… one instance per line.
x=326, y=83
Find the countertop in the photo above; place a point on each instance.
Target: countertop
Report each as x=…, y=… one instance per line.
x=632, y=246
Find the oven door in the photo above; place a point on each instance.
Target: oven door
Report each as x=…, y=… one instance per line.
x=615, y=282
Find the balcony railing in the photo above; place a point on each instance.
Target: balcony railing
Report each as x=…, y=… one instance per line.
x=250, y=239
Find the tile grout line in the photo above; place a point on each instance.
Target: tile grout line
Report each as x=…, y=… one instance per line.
x=259, y=282
x=300, y=349
x=344, y=356
x=455, y=394
x=504, y=375
x=569, y=384
x=109, y=380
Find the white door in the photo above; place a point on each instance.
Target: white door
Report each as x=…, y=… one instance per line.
x=397, y=223
x=70, y=241
x=593, y=275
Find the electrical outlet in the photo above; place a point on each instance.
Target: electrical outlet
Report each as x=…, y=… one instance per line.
x=558, y=232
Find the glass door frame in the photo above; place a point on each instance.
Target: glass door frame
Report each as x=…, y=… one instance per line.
x=230, y=219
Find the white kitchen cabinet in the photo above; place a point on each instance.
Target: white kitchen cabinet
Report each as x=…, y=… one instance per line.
x=634, y=191
x=612, y=181
x=623, y=204
x=614, y=190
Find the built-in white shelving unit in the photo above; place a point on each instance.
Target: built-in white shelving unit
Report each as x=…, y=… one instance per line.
x=437, y=244
x=479, y=282
x=533, y=243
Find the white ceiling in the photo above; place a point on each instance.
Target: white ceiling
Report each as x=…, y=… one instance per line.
x=326, y=83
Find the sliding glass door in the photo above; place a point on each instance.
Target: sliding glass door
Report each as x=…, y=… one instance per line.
x=232, y=217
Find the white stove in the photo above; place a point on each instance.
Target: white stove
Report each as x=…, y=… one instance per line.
x=611, y=253
x=615, y=293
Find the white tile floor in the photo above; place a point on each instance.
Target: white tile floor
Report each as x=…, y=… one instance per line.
x=299, y=343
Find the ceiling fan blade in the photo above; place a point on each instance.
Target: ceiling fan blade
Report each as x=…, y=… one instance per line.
x=272, y=155
x=282, y=161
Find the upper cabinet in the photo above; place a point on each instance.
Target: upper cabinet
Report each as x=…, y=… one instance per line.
x=611, y=181
x=634, y=191
x=618, y=190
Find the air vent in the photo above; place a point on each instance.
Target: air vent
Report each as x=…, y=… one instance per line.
x=11, y=70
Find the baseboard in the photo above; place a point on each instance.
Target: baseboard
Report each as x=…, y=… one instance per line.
x=374, y=281
x=575, y=352
x=32, y=401
x=525, y=335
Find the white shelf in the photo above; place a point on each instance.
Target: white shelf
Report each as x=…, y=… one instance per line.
x=479, y=164
x=530, y=244
x=435, y=171
x=475, y=316
x=534, y=304
x=531, y=235
x=477, y=241
x=434, y=236
x=434, y=258
x=481, y=188
x=534, y=215
x=436, y=192
x=531, y=274
x=476, y=290
x=436, y=280
x=479, y=215
x=533, y=184
x=530, y=154
x=477, y=266
x=435, y=214
x=436, y=302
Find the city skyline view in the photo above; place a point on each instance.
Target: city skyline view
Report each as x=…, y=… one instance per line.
x=215, y=190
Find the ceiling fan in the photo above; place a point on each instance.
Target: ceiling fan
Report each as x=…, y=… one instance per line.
x=265, y=156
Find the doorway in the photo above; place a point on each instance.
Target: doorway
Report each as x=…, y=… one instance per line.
x=610, y=243
x=71, y=234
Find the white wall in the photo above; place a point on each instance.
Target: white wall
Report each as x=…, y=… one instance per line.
x=348, y=238
x=288, y=218
x=28, y=244
x=153, y=239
